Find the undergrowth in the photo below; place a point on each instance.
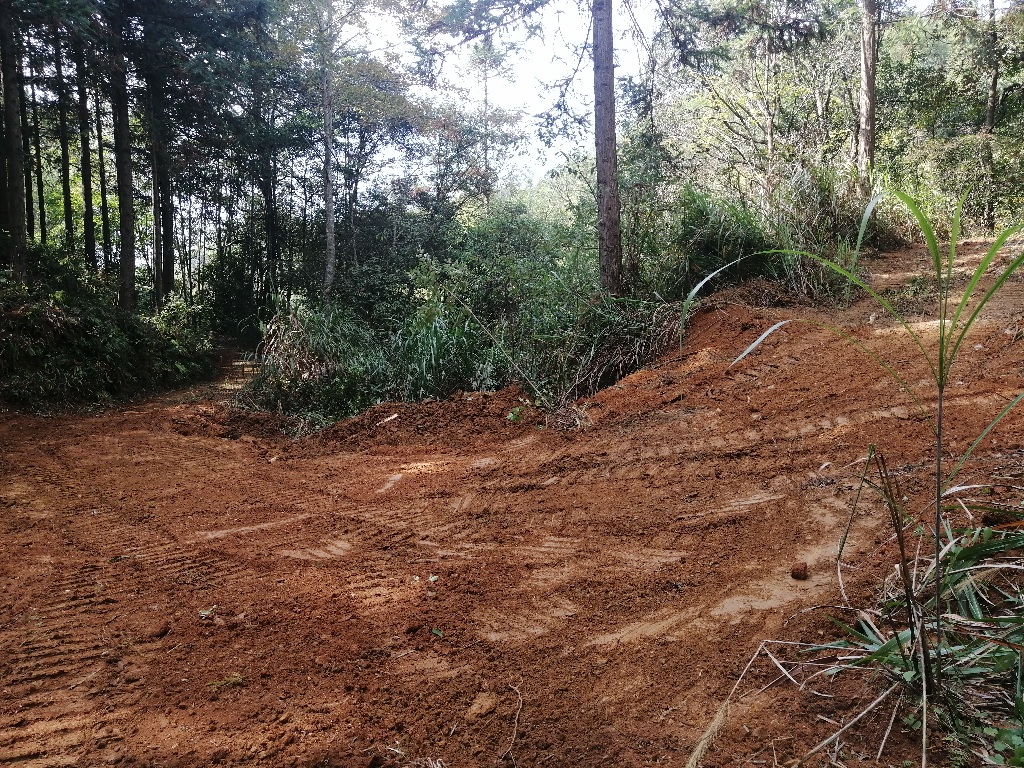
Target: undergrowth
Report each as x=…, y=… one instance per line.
x=325, y=364
x=65, y=343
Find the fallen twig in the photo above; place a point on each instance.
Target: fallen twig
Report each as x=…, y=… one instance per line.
x=885, y=738
x=846, y=727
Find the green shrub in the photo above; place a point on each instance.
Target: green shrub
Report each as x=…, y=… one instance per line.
x=702, y=233
x=63, y=340
x=320, y=360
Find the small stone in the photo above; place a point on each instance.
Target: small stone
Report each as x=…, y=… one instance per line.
x=483, y=704
x=156, y=629
x=799, y=571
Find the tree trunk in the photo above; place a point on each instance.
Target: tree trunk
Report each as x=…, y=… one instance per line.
x=158, y=240
x=15, y=201
x=167, y=226
x=65, y=141
x=992, y=104
x=5, y=223
x=267, y=184
x=36, y=143
x=609, y=233
x=330, y=257
x=868, y=65
x=26, y=154
x=101, y=160
x=88, y=222
x=123, y=162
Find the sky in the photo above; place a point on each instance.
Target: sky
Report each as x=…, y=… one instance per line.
x=538, y=63
x=542, y=61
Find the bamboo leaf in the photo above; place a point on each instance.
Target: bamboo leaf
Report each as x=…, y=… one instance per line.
x=1010, y=269
x=758, y=341
x=867, y=217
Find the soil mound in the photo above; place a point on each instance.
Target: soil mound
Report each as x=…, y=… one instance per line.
x=464, y=419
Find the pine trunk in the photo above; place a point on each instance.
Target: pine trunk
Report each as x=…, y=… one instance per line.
x=267, y=184
x=10, y=66
x=37, y=145
x=868, y=66
x=26, y=154
x=88, y=222
x=609, y=233
x=167, y=226
x=5, y=219
x=991, y=106
x=102, y=169
x=123, y=164
x=158, y=240
x=330, y=256
x=65, y=141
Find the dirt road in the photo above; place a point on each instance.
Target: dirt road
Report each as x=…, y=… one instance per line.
x=184, y=586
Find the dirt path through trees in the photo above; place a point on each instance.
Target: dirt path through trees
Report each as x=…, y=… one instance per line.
x=184, y=586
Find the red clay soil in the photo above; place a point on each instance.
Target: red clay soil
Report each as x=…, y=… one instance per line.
x=438, y=584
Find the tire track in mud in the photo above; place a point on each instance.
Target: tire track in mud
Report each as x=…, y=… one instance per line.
x=56, y=664
x=587, y=562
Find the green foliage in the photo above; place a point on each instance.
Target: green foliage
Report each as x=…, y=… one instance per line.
x=64, y=342
x=698, y=234
x=320, y=360
x=507, y=309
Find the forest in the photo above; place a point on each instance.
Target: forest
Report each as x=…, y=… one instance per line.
x=257, y=169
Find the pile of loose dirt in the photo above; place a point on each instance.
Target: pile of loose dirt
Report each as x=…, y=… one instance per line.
x=438, y=582
x=218, y=419
x=464, y=419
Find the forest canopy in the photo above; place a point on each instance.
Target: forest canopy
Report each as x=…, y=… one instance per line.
x=258, y=168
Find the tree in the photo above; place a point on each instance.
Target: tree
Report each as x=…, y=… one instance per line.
x=64, y=137
x=120, y=107
x=471, y=20
x=85, y=154
x=328, y=43
x=10, y=68
x=868, y=68
x=609, y=230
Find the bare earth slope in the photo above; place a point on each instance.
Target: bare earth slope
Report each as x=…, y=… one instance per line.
x=183, y=586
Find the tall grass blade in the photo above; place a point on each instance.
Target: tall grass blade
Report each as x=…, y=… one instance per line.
x=757, y=342
x=692, y=295
x=856, y=501
x=1003, y=277
x=926, y=229
x=986, y=261
x=866, y=218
